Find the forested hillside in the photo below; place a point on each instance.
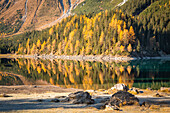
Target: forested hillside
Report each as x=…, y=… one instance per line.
x=131, y=30
x=152, y=22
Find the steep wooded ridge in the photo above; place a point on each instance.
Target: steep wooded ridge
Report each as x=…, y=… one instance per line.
x=24, y=15
x=137, y=28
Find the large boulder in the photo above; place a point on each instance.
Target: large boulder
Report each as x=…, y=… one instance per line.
x=121, y=87
x=122, y=98
x=79, y=97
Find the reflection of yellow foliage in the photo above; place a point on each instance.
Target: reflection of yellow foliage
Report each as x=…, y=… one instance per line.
x=87, y=82
x=20, y=63
x=120, y=79
x=66, y=67
x=101, y=77
x=54, y=69
x=33, y=64
x=71, y=77
x=121, y=69
x=113, y=76
x=66, y=83
x=0, y=77
x=28, y=66
x=57, y=77
x=39, y=69
x=43, y=67
x=49, y=73
x=65, y=74
x=59, y=66
x=71, y=67
x=49, y=66
x=129, y=69
x=52, y=81
x=116, y=71
x=77, y=71
x=88, y=68
x=82, y=64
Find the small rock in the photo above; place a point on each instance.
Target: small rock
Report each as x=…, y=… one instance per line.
x=4, y=95
x=55, y=100
x=101, y=99
x=121, y=87
x=79, y=97
x=122, y=98
x=65, y=100
x=15, y=89
x=40, y=100
x=108, y=107
x=146, y=104
x=60, y=97
x=157, y=95
x=34, y=86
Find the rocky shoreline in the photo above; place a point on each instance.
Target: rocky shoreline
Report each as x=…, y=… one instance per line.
x=56, y=99
x=86, y=58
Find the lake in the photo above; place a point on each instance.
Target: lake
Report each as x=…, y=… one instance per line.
x=85, y=74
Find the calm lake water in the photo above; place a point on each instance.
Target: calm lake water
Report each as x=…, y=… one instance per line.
x=85, y=74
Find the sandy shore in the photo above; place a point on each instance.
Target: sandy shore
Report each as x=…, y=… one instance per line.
x=38, y=99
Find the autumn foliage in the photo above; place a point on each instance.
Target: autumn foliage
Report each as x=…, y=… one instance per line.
x=105, y=33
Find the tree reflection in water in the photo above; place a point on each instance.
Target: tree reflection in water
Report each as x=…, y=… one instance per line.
x=88, y=75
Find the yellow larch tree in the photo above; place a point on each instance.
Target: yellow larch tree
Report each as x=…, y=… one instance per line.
x=131, y=35
x=71, y=49
x=88, y=47
x=71, y=35
x=122, y=48
x=20, y=49
x=60, y=48
x=51, y=31
x=77, y=46
x=125, y=36
x=53, y=46
x=129, y=48
x=28, y=46
x=66, y=48
x=101, y=40
x=82, y=51
x=121, y=36
x=38, y=44
x=33, y=49
x=43, y=47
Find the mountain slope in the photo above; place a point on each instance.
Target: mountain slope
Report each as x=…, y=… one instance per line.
x=23, y=15
x=95, y=6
